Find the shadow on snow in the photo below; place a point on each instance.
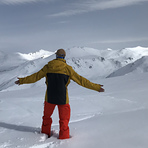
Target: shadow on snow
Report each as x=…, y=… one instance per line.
x=19, y=127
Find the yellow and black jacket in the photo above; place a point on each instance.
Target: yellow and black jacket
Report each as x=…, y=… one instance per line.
x=58, y=75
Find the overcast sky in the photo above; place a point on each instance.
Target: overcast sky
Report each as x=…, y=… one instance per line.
x=31, y=25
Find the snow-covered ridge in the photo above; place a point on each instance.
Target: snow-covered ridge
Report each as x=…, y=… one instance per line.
x=40, y=54
x=93, y=63
x=139, y=66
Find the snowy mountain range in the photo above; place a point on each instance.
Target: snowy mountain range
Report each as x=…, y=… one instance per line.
x=93, y=63
x=88, y=62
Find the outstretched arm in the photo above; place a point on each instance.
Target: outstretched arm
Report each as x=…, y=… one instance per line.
x=86, y=83
x=32, y=78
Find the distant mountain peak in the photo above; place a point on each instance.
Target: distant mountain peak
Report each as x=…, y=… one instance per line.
x=36, y=55
x=109, y=49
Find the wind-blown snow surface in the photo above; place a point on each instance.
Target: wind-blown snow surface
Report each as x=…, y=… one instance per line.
x=113, y=119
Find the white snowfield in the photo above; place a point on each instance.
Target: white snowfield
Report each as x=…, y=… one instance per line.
x=117, y=118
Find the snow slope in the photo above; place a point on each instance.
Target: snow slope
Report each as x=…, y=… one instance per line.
x=9, y=62
x=139, y=66
x=116, y=118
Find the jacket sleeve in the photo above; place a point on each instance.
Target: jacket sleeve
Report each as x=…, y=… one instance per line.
x=34, y=77
x=84, y=82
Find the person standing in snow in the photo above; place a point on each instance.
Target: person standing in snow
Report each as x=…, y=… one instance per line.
x=58, y=75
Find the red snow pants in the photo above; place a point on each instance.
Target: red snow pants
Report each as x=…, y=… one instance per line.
x=64, y=117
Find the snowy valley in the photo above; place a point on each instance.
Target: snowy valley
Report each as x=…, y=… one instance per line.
x=113, y=119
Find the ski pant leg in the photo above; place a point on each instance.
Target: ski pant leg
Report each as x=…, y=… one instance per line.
x=64, y=117
x=47, y=120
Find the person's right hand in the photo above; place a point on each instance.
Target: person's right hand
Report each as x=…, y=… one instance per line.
x=17, y=82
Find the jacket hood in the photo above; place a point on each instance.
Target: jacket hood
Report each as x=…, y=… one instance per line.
x=57, y=64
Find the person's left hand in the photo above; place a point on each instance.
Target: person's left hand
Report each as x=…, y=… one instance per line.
x=101, y=89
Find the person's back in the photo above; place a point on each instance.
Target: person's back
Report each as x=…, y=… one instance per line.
x=57, y=80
